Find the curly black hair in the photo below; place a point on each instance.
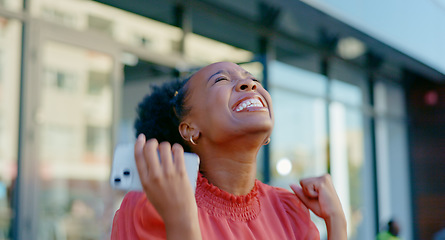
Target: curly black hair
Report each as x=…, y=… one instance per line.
x=160, y=113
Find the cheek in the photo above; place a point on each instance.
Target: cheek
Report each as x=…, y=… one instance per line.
x=218, y=111
x=218, y=100
x=268, y=98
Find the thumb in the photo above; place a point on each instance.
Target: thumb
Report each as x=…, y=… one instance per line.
x=300, y=194
x=309, y=202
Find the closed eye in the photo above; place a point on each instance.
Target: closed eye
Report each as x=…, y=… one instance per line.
x=221, y=79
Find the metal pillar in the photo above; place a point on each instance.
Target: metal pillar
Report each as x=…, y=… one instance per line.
x=373, y=62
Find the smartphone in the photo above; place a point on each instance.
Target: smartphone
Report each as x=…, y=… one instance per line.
x=124, y=173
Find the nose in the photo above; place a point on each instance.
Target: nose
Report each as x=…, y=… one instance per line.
x=246, y=85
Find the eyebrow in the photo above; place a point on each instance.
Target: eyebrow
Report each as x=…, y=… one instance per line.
x=224, y=71
x=219, y=72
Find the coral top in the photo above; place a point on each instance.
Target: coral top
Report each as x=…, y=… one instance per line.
x=265, y=213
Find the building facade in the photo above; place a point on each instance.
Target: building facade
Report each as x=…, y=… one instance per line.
x=73, y=71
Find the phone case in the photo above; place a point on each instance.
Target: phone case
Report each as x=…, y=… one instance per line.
x=124, y=174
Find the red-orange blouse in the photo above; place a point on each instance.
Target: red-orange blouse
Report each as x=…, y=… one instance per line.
x=265, y=213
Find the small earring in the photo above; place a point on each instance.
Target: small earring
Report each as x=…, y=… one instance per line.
x=191, y=140
x=267, y=141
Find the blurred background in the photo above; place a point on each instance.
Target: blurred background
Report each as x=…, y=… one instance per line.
x=358, y=89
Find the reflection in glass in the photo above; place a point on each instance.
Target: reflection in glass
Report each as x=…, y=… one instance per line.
x=74, y=143
x=10, y=43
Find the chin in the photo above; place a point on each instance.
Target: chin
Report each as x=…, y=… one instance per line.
x=260, y=127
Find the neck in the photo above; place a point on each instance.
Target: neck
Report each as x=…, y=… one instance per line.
x=230, y=167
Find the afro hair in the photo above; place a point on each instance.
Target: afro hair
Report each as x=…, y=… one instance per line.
x=161, y=111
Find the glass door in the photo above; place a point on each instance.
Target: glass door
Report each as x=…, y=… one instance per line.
x=79, y=78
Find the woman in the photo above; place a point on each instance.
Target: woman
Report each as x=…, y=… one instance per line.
x=223, y=114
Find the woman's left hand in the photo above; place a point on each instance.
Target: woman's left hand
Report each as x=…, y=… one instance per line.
x=319, y=195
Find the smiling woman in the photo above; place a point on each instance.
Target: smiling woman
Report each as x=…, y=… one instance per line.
x=224, y=115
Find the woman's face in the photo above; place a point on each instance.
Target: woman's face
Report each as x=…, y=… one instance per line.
x=227, y=101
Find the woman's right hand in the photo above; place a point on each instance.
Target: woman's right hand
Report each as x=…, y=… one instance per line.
x=167, y=187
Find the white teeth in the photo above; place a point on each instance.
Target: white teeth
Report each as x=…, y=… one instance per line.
x=249, y=103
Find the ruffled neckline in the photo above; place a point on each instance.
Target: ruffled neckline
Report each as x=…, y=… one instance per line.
x=220, y=203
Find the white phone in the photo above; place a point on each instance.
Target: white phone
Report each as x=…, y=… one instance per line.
x=124, y=173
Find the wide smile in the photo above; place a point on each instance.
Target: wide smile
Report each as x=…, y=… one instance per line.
x=250, y=104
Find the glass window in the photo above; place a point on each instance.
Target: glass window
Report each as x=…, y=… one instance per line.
x=96, y=140
x=74, y=144
x=59, y=16
x=290, y=53
x=296, y=79
x=10, y=44
x=392, y=159
x=124, y=27
x=100, y=24
x=13, y=5
x=389, y=99
x=202, y=50
x=349, y=83
x=346, y=162
x=60, y=80
x=347, y=141
x=97, y=82
x=298, y=147
x=346, y=93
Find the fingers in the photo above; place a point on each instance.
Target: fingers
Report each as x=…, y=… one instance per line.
x=319, y=195
x=309, y=202
x=178, y=155
x=140, y=159
x=310, y=187
x=313, y=186
x=152, y=159
x=300, y=194
x=165, y=152
x=155, y=161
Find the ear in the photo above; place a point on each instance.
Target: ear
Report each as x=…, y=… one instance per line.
x=188, y=130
